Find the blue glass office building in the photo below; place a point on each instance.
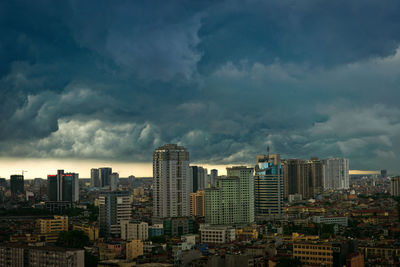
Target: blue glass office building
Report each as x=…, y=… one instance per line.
x=268, y=186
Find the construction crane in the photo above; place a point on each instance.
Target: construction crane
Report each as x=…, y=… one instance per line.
x=23, y=172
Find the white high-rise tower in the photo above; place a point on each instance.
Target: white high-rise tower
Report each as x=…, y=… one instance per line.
x=171, y=182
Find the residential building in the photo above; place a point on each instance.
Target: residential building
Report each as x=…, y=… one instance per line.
x=197, y=203
x=18, y=255
x=331, y=220
x=216, y=234
x=395, y=186
x=114, y=179
x=91, y=230
x=134, y=230
x=156, y=230
x=246, y=192
x=213, y=176
x=336, y=173
x=113, y=207
x=268, y=186
x=222, y=202
x=178, y=226
x=355, y=260
x=303, y=177
x=314, y=253
x=94, y=178
x=199, y=178
x=231, y=201
x=134, y=249
x=171, y=182
x=57, y=224
x=17, y=184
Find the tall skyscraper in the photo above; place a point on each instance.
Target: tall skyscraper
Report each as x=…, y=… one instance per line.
x=296, y=177
x=246, y=196
x=171, y=182
x=395, y=186
x=213, y=176
x=94, y=178
x=104, y=176
x=336, y=173
x=114, y=179
x=197, y=204
x=231, y=201
x=17, y=184
x=113, y=207
x=199, y=178
x=268, y=184
x=303, y=177
x=317, y=169
x=63, y=186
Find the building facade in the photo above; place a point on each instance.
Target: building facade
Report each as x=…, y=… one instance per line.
x=63, y=186
x=17, y=184
x=336, y=173
x=113, y=208
x=217, y=234
x=395, y=186
x=197, y=206
x=231, y=201
x=171, y=182
x=104, y=176
x=57, y=224
x=268, y=186
x=94, y=178
x=18, y=255
x=134, y=230
x=134, y=249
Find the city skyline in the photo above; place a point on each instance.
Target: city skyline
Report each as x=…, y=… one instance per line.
x=112, y=81
x=40, y=168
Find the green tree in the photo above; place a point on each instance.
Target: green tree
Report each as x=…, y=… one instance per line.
x=72, y=239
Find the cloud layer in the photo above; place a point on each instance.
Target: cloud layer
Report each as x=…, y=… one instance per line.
x=226, y=79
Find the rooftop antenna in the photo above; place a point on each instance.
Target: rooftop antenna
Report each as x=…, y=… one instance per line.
x=267, y=152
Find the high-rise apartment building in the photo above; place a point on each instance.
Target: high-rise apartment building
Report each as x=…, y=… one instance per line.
x=17, y=184
x=197, y=203
x=213, y=176
x=114, y=179
x=336, y=173
x=317, y=170
x=113, y=208
x=199, y=178
x=231, y=201
x=104, y=176
x=296, y=177
x=303, y=177
x=268, y=186
x=171, y=182
x=246, y=196
x=63, y=186
x=395, y=186
x=94, y=178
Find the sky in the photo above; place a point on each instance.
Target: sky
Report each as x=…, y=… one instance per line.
x=106, y=82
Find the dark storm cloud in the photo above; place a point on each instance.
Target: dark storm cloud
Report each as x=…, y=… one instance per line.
x=114, y=80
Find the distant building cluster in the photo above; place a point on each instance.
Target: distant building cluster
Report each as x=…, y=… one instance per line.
x=277, y=211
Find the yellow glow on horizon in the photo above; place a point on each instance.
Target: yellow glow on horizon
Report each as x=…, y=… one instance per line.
x=361, y=172
x=40, y=168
